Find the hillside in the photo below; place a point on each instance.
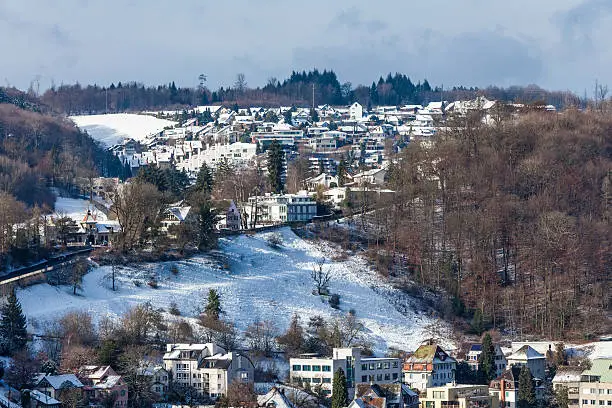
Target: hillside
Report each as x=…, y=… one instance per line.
x=255, y=282
x=113, y=128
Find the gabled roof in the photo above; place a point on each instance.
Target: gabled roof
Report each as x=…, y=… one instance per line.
x=601, y=367
x=526, y=353
x=274, y=397
x=57, y=382
x=43, y=399
x=426, y=353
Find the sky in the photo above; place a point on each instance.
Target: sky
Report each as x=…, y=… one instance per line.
x=557, y=44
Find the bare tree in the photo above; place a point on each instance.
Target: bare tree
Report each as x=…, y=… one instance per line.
x=241, y=84
x=321, y=277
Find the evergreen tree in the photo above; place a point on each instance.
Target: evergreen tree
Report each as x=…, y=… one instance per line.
x=314, y=115
x=477, y=324
x=204, y=181
x=526, y=392
x=562, y=397
x=341, y=173
x=275, y=166
x=486, y=361
x=340, y=393
x=207, y=221
x=213, y=305
x=13, y=332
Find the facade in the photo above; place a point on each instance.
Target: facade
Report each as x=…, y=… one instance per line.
x=279, y=208
x=158, y=377
x=459, y=396
x=429, y=366
x=374, y=176
x=206, y=368
x=324, y=180
x=53, y=385
x=384, y=396
x=596, y=384
x=356, y=111
x=569, y=377
x=506, y=387
x=528, y=356
x=473, y=356
x=356, y=197
x=319, y=371
x=100, y=382
x=232, y=217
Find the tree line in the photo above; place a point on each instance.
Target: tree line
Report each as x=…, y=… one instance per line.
x=296, y=90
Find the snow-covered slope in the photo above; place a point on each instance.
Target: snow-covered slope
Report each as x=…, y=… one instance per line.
x=258, y=282
x=111, y=129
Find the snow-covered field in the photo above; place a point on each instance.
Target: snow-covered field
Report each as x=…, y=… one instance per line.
x=111, y=129
x=76, y=208
x=256, y=282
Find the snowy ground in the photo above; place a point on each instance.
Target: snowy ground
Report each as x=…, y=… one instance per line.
x=257, y=283
x=76, y=209
x=111, y=129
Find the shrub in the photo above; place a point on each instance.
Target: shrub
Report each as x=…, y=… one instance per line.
x=334, y=301
x=174, y=270
x=173, y=309
x=275, y=241
x=153, y=283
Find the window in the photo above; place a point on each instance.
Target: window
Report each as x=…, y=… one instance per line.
x=395, y=376
x=602, y=402
x=326, y=368
x=379, y=377
x=316, y=380
x=387, y=365
x=364, y=378
x=326, y=380
x=585, y=402
x=387, y=377
x=364, y=367
x=305, y=368
x=379, y=366
x=123, y=393
x=371, y=366
x=395, y=364
x=316, y=368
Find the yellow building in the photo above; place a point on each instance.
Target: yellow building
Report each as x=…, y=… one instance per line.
x=459, y=396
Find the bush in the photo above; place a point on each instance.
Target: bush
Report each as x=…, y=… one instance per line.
x=153, y=283
x=334, y=301
x=174, y=270
x=137, y=283
x=173, y=309
x=275, y=241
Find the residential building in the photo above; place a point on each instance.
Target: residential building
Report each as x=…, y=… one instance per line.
x=279, y=208
x=275, y=398
x=232, y=217
x=323, y=143
x=41, y=400
x=357, y=197
x=459, y=396
x=323, y=180
x=175, y=215
x=395, y=395
x=473, y=356
x=319, y=371
x=53, y=385
x=207, y=368
x=429, y=366
x=158, y=377
x=373, y=176
x=506, y=387
x=528, y=356
x=356, y=111
x=596, y=384
x=101, y=382
x=569, y=378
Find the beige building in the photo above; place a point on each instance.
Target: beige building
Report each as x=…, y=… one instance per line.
x=596, y=384
x=206, y=368
x=569, y=377
x=459, y=396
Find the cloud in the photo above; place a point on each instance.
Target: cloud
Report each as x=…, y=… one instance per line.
x=352, y=19
x=577, y=25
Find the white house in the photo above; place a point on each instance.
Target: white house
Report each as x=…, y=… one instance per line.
x=356, y=111
x=207, y=368
x=279, y=208
x=526, y=355
x=232, y=217
x=324, y=180
x=429, y=366
x=373, y=176
x=319, y=371
x=499, y=359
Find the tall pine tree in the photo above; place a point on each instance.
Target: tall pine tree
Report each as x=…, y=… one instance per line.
x=13, y=334
x=204, y=182
x=486, y=362
x=213, y=306
x=339, y=393
x=526, y=391
x=276, y=157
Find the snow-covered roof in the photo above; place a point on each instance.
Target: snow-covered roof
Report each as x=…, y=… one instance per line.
x=567, y=374
x=526, y=353
x=59, y=381
x=43, y=398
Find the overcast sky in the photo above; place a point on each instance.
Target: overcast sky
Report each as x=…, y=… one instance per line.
x=558, y=44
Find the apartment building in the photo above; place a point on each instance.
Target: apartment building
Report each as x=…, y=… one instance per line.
x=596, y=384
x=569, y=378
x=319, y=371
x=207, y=368
x=429, y=366
x=459, y=396
x=473, y=356
x=279, y=208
